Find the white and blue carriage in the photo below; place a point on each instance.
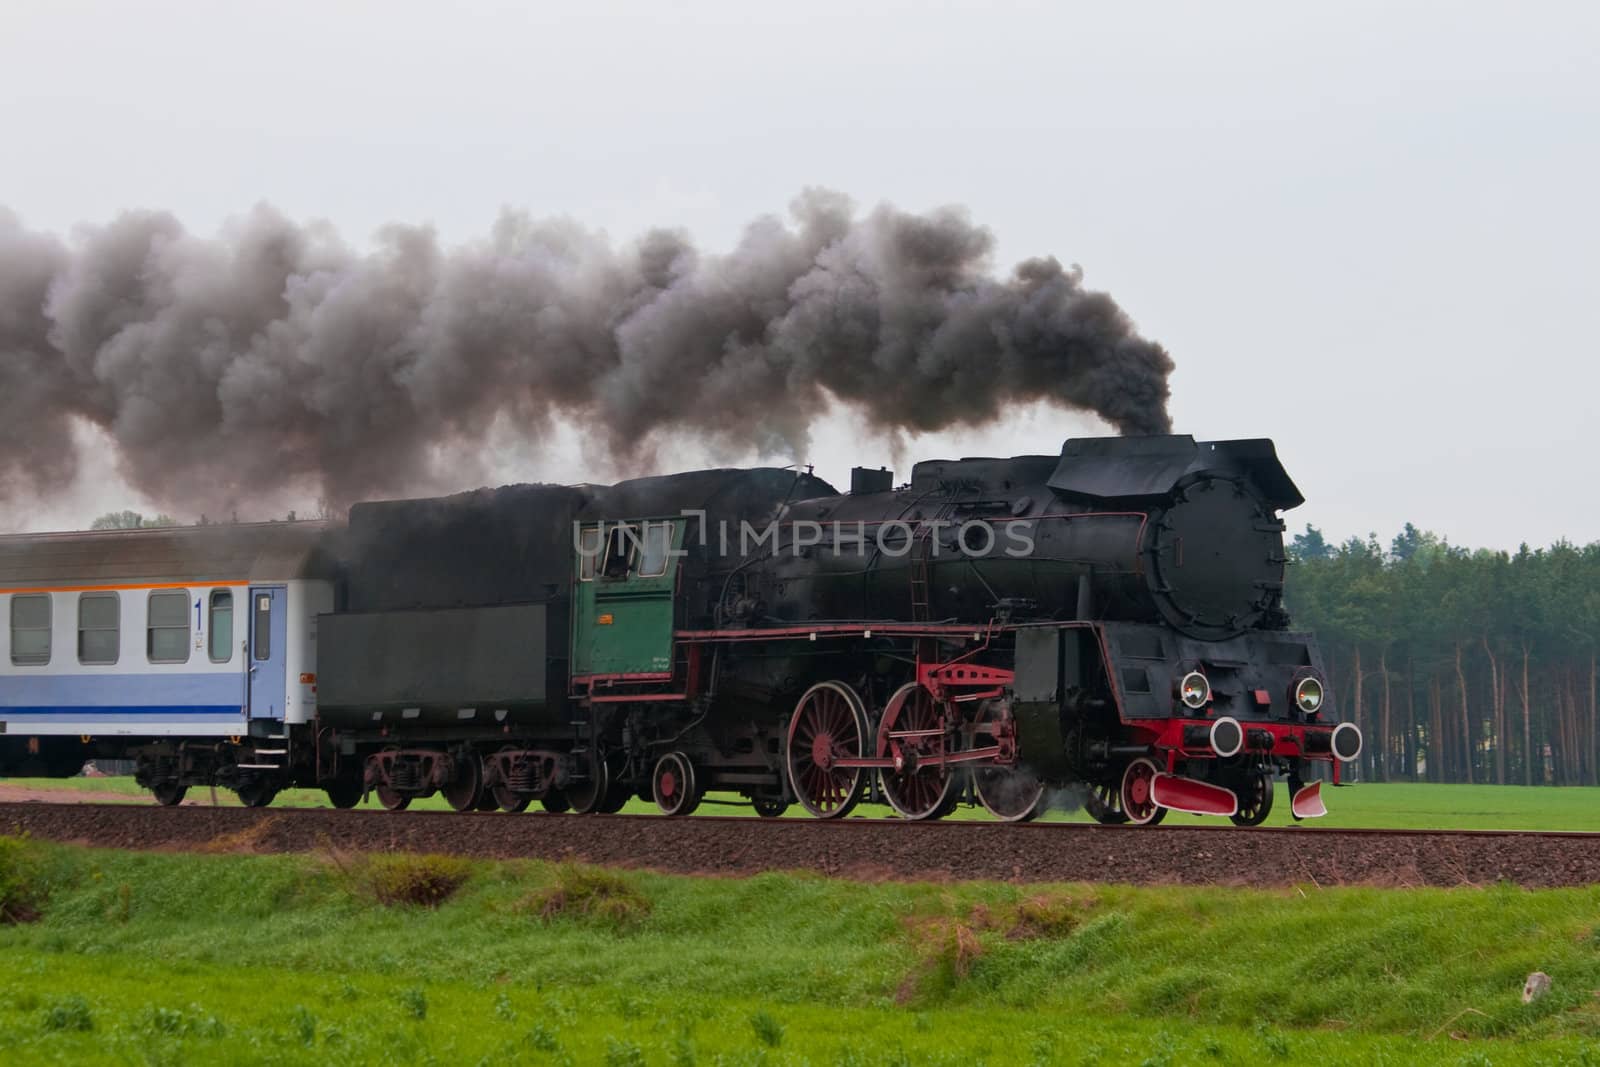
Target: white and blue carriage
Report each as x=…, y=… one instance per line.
x=198, y=632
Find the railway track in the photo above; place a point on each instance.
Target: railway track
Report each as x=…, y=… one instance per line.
x=855, y=848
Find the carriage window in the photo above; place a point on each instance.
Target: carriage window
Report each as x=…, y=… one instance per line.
x=588, y=553
x=30, y=630
x=263, y=627
x=221, y=625
x=167, y=636
x=99, y=627
x=620, y=547
x=657, y=544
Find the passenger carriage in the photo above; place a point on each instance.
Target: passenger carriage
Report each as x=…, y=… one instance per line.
x=191, y=649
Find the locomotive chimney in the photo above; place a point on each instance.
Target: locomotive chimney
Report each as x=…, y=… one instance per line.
x=867, y=480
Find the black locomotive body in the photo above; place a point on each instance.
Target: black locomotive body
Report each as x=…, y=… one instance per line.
x=1108, y=619
x=1106, y=623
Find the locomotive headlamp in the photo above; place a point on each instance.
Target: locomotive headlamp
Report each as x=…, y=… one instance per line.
x=1308, y=695
x=1194, y=690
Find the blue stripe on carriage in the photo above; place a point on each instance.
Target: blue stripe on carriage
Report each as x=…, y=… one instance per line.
x=233, y=710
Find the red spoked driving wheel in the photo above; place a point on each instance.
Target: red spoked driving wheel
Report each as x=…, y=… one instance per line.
x=829, y=723
x=915, y=734
x=1138, y=795
x=673, y=785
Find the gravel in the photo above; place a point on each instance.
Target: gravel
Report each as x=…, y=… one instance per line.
x=853, y=848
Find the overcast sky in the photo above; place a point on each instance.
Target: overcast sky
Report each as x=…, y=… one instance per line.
x=1368, y=233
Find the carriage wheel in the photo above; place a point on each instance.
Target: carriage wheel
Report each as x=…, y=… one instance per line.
x=1010, y=794
x=828, y=723
x=1255, y=801
x=465, y=790
x=1138, y=802
x=673, y=785
x=169, y=794
x=555, y=802
x=344, y=791
x=770, y=807
x=256, y=792
x=589, y=795
x=391, y=799
x=917, y=790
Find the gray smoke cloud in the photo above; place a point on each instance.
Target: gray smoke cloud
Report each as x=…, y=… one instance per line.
x=274, y=356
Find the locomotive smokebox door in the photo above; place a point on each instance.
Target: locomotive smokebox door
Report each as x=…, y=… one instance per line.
x=623, y=604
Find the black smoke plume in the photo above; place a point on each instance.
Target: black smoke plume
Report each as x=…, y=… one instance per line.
x=276, y=357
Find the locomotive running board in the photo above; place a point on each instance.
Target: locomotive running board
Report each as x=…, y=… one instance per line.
x=1307, y=803
x=1193, y=796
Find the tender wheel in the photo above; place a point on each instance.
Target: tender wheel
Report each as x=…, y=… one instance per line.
x=391, y=800
x=510, y=800
x=169, y=794
x=673, y=785
x=344, y=792
x=770, y=807
x=465, y=789
x=1103, y=802
x=1255, y=800
x=1010, y=794
x=555, y=802
x=1138, y=804
x=589, y=795
x=917, y=790
x=829, y=723
x=256, y=792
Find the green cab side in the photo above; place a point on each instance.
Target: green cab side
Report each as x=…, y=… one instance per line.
x=623, y=603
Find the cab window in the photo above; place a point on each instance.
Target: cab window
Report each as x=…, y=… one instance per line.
x=657, y=546
x=589, y=550
x=622, y=541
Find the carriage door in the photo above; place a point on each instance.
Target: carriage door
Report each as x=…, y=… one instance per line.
x=269, y=607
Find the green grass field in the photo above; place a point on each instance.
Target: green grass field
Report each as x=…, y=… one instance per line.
x=1401, y=805
x=156, y=958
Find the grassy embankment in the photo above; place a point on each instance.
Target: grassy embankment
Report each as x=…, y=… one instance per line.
x=1399, y=804
x=228, y=958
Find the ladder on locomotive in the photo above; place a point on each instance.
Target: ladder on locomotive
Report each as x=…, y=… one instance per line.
x=921, y=542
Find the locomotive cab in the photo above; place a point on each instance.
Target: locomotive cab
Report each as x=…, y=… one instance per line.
x=623, y=601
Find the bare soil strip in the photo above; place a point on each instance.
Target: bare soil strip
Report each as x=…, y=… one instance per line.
x=854, y=848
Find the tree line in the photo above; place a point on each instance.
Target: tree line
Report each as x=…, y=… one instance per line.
x=1458, y=665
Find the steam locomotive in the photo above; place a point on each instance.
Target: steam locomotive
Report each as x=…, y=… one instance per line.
x=1106, y=623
